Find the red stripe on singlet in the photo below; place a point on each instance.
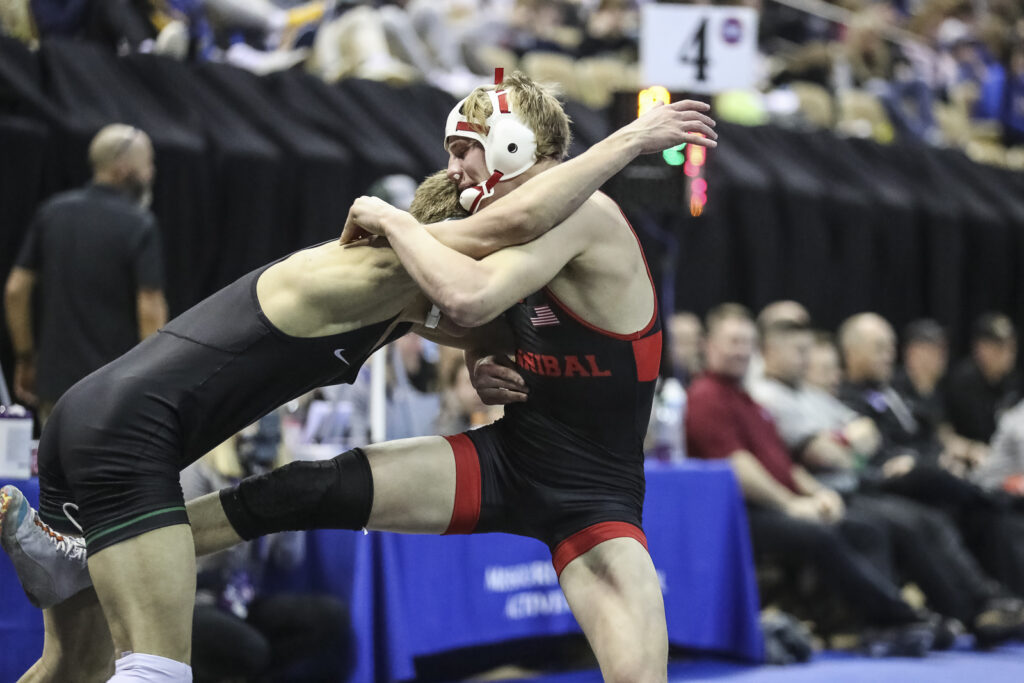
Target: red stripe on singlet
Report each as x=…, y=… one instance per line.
x=585, y=539
x=647, y=354
x=466, y=512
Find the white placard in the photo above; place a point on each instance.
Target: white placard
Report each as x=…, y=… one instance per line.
x=698, y=48
x=15, y=447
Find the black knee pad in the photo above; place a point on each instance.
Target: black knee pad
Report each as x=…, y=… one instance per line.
x=322, y=494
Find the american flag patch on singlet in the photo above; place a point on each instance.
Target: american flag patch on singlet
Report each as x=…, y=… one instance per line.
x=543, y=315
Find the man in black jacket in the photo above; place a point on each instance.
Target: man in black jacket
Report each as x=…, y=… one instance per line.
x=910, y=460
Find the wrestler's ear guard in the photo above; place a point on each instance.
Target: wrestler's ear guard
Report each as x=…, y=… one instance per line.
x=510, y=147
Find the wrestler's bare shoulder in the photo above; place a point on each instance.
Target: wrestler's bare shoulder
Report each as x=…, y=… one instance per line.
x=331, y=289
x=607, y=284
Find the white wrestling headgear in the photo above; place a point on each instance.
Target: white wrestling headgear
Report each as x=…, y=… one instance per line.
x=509, y=145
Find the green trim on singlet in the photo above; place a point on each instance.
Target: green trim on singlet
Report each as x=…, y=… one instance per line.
x=89, y=538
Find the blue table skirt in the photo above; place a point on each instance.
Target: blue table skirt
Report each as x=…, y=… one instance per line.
x=417, y=595
x=21, y=624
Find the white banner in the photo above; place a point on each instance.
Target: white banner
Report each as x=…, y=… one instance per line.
x=698, y=48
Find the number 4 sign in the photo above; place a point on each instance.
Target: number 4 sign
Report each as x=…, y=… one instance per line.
x=697, y=48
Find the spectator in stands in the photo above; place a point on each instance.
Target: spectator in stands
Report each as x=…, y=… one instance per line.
x=355, y=44
x=910, y=460
x=611, y=30
x=94, y=257
x=879, y=66
x=544, y=26
x=978, y=51
x=461, y=407
x=420, y=35
x=920, y=383
x=1004, y=468
x=686, y=337
x=985, y=384
x=777, y=311
x=238, y=630
x=824, y=370
x=666, y=439
x=920, y=379
x=789, y=512
x=414, y=399
x=783, y=310
x=823, y=434
x=869, y=348
x=257, y=35
x=834, y=443
x=1003, y=471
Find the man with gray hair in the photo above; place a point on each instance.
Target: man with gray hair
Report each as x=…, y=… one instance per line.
x=92, y=257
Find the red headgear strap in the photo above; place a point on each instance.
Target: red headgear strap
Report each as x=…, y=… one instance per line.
x=499, y=75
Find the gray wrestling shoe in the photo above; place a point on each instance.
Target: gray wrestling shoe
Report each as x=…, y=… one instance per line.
x=50, y=566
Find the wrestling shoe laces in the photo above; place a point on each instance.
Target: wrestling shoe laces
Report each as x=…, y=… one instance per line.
x=51, y=566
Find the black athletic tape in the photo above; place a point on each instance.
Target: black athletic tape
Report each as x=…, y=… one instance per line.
x=321, y=494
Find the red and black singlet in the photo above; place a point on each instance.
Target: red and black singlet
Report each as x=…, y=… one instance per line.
x=591, y=380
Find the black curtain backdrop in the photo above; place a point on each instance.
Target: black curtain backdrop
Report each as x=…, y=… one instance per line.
x=250, y=168
x=842, y=226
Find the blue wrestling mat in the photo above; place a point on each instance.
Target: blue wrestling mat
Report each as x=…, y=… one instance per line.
x=1003, y=665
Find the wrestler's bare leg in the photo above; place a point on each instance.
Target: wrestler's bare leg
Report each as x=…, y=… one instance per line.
x=614, y=593
x=76, y=645
x=413, y=485
x=413, y=492
x=147, y=587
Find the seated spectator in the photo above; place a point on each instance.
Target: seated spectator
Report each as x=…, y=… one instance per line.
x=611, y=30
x=461, y=407
x=355, y=44
x=260, y=36
x=976, y=51
x=920, y=379
x=985, y=384
x=544, y=26
x=239, y=632
x=174, y=28
x=824, y=370
x=686, y=337
x=789, y=512
x=423, y=33
x=1004, y=468
x=910, y=461
x=834, y=441
x=920, y=382
x=879, y=66
x=869, y=349
x=665, y=438
x=777, y=311
x=783, y=310
x=823, y=433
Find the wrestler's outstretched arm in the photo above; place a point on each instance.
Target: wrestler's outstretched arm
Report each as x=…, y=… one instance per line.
x=472, y=292
x=549, y=198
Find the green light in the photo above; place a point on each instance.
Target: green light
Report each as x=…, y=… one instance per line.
x=675, y=156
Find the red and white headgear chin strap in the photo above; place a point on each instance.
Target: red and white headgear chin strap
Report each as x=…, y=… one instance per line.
x=509, y=145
